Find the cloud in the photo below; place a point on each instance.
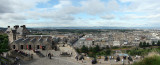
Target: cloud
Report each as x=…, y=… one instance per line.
x=108, y=17
x=67, y=13
x=63, y=3
x=93, y=6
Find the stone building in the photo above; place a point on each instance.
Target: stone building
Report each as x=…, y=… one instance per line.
x=19, y=39
x=16, y=32
x=40, y=43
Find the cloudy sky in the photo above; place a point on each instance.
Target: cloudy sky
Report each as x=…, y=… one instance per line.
x=69, y=13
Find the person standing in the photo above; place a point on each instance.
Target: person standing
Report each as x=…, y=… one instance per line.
x=122, y=61
x=76, y=58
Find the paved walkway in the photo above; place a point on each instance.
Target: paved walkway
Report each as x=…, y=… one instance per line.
x=53, y=61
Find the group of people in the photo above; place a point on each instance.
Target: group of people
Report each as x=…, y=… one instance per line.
x=21, y=52
x=124, y=58
x=79, y=57
x=117, y=59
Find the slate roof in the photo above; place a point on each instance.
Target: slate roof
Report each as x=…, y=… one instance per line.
x=26, y=40
x=18, y=41
x=33, y=40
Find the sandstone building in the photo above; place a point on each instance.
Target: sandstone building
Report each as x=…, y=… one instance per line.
x=19, y=39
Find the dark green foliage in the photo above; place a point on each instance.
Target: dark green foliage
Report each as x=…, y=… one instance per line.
x=140, y=44
x=144, y=44
x=84, y=49
x=115, y=47
x=108, y=52
x=153, y=43
x=77, y=50
x=94, y=51
x=147, y=45
x=3, y=43
x=158, y=43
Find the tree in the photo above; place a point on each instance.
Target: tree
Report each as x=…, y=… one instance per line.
x=140, y=44
x=96, y=49
x=108, y=52
x=3, y=43
x=90, y=49
x=153, y=43
x=84, y=49
x=158, y=43
x=144, y=44
x=147, y=45
x=107, y=47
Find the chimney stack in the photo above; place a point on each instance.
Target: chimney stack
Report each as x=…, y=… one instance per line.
x=16, y=26
x=23, y=26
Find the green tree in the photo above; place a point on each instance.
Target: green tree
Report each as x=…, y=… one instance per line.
x=108, y=52
x=140, y=44
x=158, y=43
x=144, y=44
x=153, y=43
x=90, y=49
x=147, y=45
x=84, y=49
x=96, y=49
x=4, y=43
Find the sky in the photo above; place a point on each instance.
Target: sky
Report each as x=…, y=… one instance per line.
x=80, y=13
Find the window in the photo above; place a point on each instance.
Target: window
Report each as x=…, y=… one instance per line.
x=30, y=47
x=37, y=46
x=14, y=47
x=21, y=46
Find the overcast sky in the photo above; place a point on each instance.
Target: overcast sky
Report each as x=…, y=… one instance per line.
x=68, y=13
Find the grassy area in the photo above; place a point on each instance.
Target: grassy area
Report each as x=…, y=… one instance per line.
x=94, y=51
x=142, y=51
x=153, y=60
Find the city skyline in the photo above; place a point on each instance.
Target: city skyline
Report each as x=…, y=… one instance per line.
x=80, y=13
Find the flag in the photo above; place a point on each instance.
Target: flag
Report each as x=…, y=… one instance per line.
x=40, y=46
x=27, y=46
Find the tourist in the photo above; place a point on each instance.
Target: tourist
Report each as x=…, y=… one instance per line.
x=94, y=61
x=76, y=58
x=122, y=61
x=118, y=58
x=106, y=58
x=110, y=57
x=50, y=57
x=49, y=54
x=31, y=56
x=124, y=57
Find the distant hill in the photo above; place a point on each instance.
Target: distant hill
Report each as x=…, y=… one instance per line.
x=1, y=28
x=98, y=27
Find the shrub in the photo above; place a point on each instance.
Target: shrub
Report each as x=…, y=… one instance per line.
x=153, y=60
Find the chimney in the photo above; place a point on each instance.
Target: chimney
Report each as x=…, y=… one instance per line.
x=16, y=26
x=23, y=26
